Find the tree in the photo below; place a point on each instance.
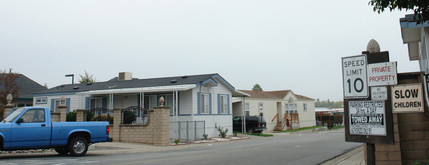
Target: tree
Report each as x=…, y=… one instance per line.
x=257, y=87
x=86, y=78
x=420, y=8
x=8, y=86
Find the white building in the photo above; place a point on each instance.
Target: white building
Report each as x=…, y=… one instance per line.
x=273, y=103
x=190, y=98
x=416, y=36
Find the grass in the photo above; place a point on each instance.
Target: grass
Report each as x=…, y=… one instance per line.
x=296, y=130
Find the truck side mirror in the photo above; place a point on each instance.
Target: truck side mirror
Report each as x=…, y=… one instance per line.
x=20, y=120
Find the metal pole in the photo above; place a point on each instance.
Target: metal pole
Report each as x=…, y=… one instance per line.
x=178, y=128
x=195, y=130
x=243, y=129
x=187, y=131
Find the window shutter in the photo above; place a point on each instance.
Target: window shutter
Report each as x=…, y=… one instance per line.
x=87, y=103
x=52, y=105
x=68, y=104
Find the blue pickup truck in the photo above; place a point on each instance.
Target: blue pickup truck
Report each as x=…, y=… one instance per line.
x=32, y=128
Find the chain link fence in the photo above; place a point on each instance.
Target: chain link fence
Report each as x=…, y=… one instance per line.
x=187, y=131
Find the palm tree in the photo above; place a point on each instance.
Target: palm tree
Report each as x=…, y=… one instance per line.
x=86, y=78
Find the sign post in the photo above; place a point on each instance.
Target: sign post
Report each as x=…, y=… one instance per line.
x=368, y=115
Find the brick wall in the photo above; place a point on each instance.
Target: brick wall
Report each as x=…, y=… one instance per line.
x=414, y=137
x=55, y=116
x=411, y=131
x=387, y=154
x=156, y=131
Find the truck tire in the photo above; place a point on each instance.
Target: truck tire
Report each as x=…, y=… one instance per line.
x=78, y=146
x=62, y=150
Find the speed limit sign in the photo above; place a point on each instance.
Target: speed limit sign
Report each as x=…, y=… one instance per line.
x=355, y=83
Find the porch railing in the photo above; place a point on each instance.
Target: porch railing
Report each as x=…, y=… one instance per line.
x=134, y=115
x=100, y=114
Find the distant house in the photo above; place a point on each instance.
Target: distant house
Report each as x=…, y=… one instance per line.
x=273, y=103
x=204, y=97
x=27, y=87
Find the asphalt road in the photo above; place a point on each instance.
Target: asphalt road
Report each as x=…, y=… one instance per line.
x=306, y=148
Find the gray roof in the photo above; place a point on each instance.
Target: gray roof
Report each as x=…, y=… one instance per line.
x=134, y=83
x=27, y=87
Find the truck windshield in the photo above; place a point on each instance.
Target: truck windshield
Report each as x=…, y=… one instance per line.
x=13, y=115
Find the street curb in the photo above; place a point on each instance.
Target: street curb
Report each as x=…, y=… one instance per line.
x=344, y=156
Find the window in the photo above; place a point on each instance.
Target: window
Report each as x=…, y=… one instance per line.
x=247, y=109
x=41, y=100
x=204, y=103
x=305, y=107
x=168, y=98
x=223, y=104
x=150, y=101
x=34, y=116
x=96, y=103
x=291, y=108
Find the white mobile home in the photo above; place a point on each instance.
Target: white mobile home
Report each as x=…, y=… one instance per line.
x=190, y=98
x=273, y=103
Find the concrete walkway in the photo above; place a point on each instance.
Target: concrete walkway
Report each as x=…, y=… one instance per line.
x=353, y=157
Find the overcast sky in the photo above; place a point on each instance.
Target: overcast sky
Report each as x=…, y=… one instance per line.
x=279, y=44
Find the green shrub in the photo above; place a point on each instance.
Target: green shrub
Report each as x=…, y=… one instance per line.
x=89, y=115
x=129, y=117
x=103, y=118
x=71, y=116
x=222, y=133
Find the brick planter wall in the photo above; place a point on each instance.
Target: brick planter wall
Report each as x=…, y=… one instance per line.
x=156, y=131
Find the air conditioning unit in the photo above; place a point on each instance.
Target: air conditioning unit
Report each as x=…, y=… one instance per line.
x=125, y=76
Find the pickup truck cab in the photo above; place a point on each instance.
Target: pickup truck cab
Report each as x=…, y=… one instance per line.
x=32, y=128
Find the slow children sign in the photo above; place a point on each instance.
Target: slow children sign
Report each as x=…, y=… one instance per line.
x=407, y=98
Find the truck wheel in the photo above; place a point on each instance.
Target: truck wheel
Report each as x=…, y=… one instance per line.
x=62, y=150
x=78, y=146
x=251, y=130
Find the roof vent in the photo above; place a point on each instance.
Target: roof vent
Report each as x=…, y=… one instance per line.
x=76, y=87
x=89, y=83
x=184, y=77
x=173, y=81
x=125, y=76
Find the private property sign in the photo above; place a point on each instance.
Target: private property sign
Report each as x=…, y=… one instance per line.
x=367, y=118
x=407, y=98
x=382, y=74
x=354, y=77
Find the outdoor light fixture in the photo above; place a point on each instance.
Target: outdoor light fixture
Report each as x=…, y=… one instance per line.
x=70, y=75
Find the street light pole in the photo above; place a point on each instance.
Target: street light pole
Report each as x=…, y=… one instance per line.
x=70, y=75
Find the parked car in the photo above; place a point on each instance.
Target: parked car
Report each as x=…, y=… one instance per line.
x=253, y=124
x=32, y=128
